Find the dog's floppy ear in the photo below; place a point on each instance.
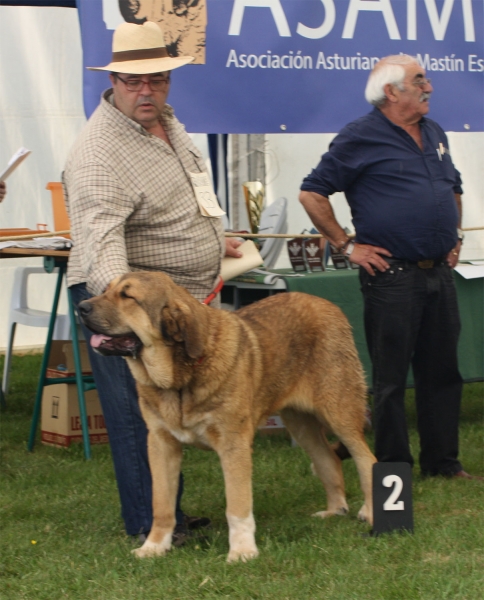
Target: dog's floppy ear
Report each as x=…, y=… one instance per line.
x=179, y=324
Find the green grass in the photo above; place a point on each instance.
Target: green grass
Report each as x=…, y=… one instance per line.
x=62, y=536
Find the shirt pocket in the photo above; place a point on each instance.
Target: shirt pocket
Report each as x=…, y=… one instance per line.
x=448, y=169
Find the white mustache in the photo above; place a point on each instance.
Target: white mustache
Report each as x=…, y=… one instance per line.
x=424, y=96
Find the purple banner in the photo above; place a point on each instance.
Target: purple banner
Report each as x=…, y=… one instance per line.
x=299, y=66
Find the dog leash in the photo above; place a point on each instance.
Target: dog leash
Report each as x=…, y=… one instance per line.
x=214, y=292
x=208, y=299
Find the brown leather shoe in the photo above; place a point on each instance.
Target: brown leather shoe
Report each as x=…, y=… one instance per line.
x=464, y=475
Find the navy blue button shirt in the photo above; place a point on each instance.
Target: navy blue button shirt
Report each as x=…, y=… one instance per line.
x=401, y=198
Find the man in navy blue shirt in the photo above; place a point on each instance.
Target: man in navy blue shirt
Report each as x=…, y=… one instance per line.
x=404, y=193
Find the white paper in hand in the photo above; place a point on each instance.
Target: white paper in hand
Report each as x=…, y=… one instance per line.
x=250, y=259
x=14, y=162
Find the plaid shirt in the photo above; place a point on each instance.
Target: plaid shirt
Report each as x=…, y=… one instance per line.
x=132, y=206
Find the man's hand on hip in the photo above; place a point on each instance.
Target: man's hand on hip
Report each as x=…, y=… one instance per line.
x=369, y=257
x=453, y=256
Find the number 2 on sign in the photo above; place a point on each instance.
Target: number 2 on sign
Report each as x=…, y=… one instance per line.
x=390, y=503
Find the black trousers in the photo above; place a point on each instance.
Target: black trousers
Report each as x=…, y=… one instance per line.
x=412, y=318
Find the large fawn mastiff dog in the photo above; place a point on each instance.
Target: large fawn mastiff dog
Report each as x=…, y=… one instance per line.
x=208, y=377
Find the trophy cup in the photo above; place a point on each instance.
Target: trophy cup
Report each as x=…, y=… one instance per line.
x=254, y=201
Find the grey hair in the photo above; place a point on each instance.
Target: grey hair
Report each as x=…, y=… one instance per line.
x=390, y=69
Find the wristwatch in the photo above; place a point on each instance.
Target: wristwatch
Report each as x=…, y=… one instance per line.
x=460, y=235
x=350, y=246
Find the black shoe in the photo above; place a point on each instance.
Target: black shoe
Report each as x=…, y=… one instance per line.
x=341, y=451
x=183, y=531
x=142, y=537
x=192, y=523
x=190, y=528
x=181, y=534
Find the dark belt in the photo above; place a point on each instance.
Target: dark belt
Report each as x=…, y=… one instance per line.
x=428, y=263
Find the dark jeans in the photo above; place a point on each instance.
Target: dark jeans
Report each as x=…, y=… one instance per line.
x=411, y=317
x=127, y=433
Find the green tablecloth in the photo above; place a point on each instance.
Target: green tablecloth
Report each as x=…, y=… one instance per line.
x=343, y=289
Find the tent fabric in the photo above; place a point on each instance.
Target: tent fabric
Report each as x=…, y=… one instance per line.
x=41, y=109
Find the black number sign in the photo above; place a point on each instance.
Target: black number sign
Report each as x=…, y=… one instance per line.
x=392, y=497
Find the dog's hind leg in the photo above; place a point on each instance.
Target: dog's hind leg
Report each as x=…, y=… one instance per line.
x=348, y=426
x=308, y=433
x=364, y=459
x=165, y=454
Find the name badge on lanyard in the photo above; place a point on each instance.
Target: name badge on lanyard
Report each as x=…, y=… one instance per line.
x=207, y=201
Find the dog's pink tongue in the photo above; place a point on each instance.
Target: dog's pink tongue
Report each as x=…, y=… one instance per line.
x=97, y=339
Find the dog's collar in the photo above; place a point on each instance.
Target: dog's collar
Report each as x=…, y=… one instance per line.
x=199, y=361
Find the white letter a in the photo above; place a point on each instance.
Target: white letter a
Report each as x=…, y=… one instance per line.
x=382, y=6
x=276, y=9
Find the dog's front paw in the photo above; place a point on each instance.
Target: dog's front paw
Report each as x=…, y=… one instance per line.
x=242, y=555
x=149, y=549
x=241, y=538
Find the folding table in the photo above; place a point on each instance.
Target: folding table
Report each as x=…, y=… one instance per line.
x=57, y=259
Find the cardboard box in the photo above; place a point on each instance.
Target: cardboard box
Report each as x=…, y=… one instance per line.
x=61, y=421
x=61, y=359
x=273, y=424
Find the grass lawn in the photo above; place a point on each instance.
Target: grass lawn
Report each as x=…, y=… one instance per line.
x=62, y=535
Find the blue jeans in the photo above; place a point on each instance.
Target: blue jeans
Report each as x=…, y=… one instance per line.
x=412, y=318
x=127, y=433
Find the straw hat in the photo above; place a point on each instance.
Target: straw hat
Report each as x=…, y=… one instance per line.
x=141, y=50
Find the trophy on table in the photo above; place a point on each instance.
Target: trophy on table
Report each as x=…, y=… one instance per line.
x=254, y=201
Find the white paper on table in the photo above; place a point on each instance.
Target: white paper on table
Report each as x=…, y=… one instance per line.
x=14, y=162
x=470, y=271
x=271, y=278
x=45, y=243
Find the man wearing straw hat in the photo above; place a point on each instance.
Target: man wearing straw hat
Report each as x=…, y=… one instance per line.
x=130, y=194
x=405, y=197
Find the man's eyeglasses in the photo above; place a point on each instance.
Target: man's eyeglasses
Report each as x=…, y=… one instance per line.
x=422, y=82
x=155, y=83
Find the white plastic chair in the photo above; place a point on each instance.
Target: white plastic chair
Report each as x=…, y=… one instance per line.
x=273, y=220
x=21, y=312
